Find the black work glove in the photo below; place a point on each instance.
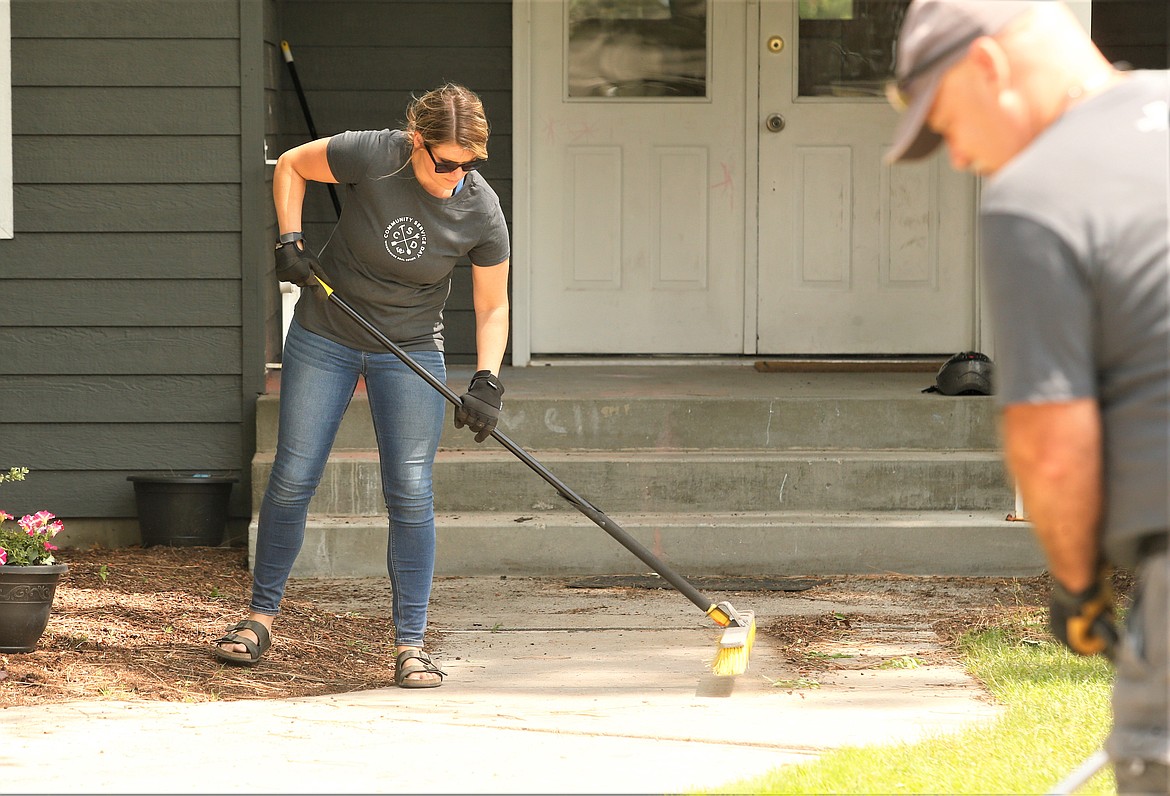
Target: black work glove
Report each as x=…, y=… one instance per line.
x=296, y=263
x=1083, y=622
x=481, y=404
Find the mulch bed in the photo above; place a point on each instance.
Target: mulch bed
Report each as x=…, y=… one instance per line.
x=137, y=623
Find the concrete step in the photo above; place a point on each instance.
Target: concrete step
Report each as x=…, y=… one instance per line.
x=488, y=479
x=902, y=420
x=789, y=472
x=967, y=543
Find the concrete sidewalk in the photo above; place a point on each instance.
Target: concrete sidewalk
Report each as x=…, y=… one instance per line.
x=552, y=689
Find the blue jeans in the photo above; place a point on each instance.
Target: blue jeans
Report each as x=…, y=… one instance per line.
x=318, y=378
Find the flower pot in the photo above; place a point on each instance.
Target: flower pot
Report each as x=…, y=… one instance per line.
x=182, y=510
x=26, y=598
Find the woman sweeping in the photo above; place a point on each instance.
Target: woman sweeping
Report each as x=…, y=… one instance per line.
x=414, y=204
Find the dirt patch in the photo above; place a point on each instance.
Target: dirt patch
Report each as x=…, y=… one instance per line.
x=137, y=624
x=902, y=621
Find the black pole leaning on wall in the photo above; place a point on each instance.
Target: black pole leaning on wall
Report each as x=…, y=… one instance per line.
x=292, y=70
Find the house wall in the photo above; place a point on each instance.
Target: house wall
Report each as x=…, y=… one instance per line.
x=360, y=61
x=139, y=300
x=138, y=250
x=1135, y=31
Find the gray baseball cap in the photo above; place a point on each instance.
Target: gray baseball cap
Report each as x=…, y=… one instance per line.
x=935, y=36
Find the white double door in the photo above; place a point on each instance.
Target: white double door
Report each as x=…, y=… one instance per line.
x=683, y=225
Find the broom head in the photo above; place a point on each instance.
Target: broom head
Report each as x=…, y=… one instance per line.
x=735, y=644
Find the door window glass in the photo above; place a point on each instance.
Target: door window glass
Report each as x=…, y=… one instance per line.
x=847, y=47
x=637, y=48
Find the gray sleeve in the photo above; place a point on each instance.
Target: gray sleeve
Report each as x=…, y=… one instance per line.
x=1041, y=306
x=352, y=154
x=494, y=247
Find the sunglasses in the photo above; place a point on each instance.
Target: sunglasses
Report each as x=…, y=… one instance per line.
x=446, y=166
x=898, y=91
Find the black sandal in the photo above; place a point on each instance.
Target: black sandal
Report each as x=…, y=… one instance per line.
x=402, y=670
x=255, y=651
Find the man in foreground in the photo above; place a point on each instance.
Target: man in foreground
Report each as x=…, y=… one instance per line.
x=1075, y=229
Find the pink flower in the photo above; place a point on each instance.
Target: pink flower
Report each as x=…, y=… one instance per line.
x=26, y=542
x=35, y=523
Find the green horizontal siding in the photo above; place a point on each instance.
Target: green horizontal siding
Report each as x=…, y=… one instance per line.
x=107, y=159
x=127, y=208
x=121, y=446
x=145, y=398
x=416, y=68
x=127, y=19
x=118, y=352
x=392, y=24
x=122, y=255
x=130, y=228
x=128, y=62
x=140, y=302
x=117, y=110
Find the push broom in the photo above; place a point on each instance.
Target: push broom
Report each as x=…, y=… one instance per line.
x=739, y=628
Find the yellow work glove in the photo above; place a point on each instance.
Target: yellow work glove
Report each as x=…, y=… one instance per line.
x=1083, y=621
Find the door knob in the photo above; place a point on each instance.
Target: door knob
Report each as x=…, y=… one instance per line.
x=774, y=123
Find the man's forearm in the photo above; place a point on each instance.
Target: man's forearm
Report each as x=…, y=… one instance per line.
x=1054, y=453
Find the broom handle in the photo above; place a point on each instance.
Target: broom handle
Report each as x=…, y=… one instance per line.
x=1082, y=774
x=292, y=70
x=585, y=507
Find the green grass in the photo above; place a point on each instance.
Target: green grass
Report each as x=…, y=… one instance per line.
x=1056, y=713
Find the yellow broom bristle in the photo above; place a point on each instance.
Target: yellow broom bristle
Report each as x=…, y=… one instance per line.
x=735, y=645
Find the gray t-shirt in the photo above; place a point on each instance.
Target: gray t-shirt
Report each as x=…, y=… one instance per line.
x=1075, y=237
x=393, y=251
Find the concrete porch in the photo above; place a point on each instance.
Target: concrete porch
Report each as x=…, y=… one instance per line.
x=719, y=468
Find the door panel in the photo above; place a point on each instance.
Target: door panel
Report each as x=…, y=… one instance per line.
x=637, y=194
x=855, y=257
x=638, y=211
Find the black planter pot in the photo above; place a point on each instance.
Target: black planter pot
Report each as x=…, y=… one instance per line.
x=26, y=599
x=182, y=510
